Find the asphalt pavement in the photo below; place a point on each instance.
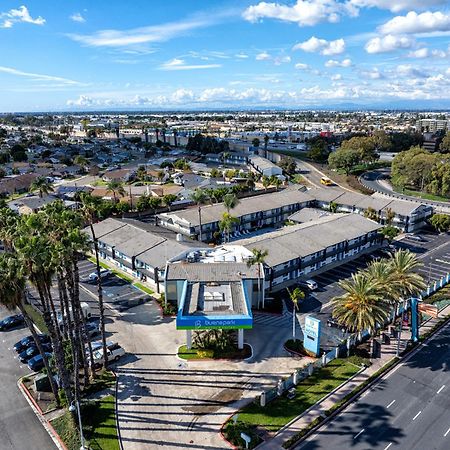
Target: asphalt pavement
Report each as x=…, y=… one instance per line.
x=20, y=429
x=408, y=409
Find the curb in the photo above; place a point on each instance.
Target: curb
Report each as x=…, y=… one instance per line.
x=45, y=423
x=119, y=436
x=216, y=359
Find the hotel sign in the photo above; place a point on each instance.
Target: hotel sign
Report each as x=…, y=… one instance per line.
x=311, y=335
x=211, y=323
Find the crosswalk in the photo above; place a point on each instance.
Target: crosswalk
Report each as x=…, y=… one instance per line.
x=272, y=320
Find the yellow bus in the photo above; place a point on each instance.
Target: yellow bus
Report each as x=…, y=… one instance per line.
x=326, y=181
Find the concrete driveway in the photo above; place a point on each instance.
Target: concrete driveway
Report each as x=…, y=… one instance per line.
x=166, y=402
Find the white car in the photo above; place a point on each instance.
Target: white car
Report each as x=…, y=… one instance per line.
x=104, y=273
x=114, y=352
x=312, y=285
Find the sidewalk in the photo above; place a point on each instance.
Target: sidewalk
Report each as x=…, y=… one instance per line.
x=388, y=352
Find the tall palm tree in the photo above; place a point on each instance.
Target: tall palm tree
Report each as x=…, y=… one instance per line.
x=42, y=185
x=13, y=295
x=116, y=189
x=230, y=201
x=8, y=227
x=265, y=182
x=258, y=258
x=360, y=307
x=295, y=296
x=200, y=198
x=227, y=224
x=90, y=211
x=390, y=216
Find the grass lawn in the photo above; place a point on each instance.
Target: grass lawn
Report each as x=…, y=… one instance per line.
x=115, y=272
x=143, y=288
x=280, y=411
x=37, y=318
x=193, y=353
x=419, y=194
x=99, y=426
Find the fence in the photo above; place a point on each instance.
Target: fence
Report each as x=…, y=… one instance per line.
x=340, y=350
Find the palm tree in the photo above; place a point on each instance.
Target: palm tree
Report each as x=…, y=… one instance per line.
x=199, y=197
x=227, y=224
x=116, y=189
x=390, y=215
x=225, y=155
x=258, y=258
x=265, y=182
x=13, y=295
x=360, y=307
x=333, y=207
x=296, y=295
x=266, y=141
x=230, y=201
x=90, y=211
x=42, y=185
x=371, y=213
x=8, y=227
x=277, y=183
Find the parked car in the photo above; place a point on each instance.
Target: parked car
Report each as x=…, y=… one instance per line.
x=92, y=277
x=311, y=284
x=24, y=343
x=97, y=345
x=85, y=309
x=334, y=323
x=37, y=362
x=114, y=352
x=92, y=329
x=416, y=237
x=33, y=351
x=11, y=322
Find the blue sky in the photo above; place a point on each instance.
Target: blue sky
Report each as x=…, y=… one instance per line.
x=184, y=54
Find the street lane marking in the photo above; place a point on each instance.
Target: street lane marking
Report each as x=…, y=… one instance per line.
x=362, y=431
x=448, y=431
x=442, y=261
x=387, y=446
x=417, y=415
x=390, y=404
x=440, y=389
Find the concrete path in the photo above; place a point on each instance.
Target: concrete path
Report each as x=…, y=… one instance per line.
x=388, y=352
x=164, y=402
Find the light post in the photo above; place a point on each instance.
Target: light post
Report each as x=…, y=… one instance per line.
x=72, y=409
x=429, y=272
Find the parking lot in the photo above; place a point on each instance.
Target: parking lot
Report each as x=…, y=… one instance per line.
x=117, y=292
x=19, y=427
x=433, y=250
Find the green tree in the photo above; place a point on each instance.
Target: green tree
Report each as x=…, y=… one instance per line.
x=258, y=258
x=256, y=142
x=295, y=296
x=444, y=147
x=333, y=207
x=226, y=225
x=288, y=165
x=344, y=158
x=169, y=200
x=18, y=153
x=265, y=182
x=360, y=307
x=42, y=185
x=116, y=189
x=200, y=197
x=230, y=201
x=318, y=149
x=440, y=222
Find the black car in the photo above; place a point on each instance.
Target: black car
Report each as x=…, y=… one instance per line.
x=11, y=322
x=24, y=343
x=37, y=363
x=33, y=351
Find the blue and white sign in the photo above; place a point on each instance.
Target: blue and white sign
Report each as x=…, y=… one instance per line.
x=311, y=335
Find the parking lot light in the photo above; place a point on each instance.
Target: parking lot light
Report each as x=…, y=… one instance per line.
x=75, y=405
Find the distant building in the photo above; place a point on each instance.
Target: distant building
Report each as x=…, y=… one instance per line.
x=265, y=167
x=432, y=125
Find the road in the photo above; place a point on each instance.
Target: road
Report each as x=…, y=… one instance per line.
x=20, y=429
x=406, y=410
x=374, y=180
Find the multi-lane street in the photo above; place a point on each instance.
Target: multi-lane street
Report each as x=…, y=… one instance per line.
x=408, y=409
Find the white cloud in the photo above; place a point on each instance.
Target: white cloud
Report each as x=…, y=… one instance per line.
x=263, y=56
x=8, y=19
x=388, y=43
x=38, y=77
x=278, y=60
x=417, y=23
x=336, y=77
x=303, y=12
x=145, y=35
x=334, y=63
x=322, y=46
x=425, y=52
x=301, y=66
x=409, y=71
x=373, y=74
x=77, y=17
x=241, y=55
x=180, y=64
x=398, y=5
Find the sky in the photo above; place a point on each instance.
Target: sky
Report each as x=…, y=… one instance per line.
x=212, y=54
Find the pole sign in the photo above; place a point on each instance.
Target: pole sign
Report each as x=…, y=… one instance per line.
x=311, y=335
x=414, y=319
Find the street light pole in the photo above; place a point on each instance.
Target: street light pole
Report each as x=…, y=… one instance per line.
x=400, y=329
x=72, y=409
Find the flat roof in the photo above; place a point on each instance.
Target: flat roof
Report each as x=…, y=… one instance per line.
x=211, y=271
